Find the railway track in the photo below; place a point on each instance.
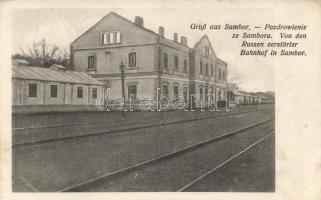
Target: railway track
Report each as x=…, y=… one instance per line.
x=110, y=176
x=15, y=145
x=198, y=179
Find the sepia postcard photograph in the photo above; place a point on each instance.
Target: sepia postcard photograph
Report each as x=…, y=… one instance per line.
x=160, y=100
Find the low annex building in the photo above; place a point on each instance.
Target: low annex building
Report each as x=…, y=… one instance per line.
x=53, y=86
x=151, y=62
x=235, y=97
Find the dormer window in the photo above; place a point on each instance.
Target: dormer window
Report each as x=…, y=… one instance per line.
x=111, y=38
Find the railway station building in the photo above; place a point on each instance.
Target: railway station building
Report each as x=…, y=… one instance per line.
x=154, y=65
x=52, y=88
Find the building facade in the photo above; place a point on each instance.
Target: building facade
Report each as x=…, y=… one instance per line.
x=156, y=67
x=53, y=86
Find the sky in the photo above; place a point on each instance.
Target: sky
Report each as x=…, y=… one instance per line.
x=62, y=26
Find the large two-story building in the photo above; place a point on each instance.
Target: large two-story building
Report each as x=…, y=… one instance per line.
x=155, y=65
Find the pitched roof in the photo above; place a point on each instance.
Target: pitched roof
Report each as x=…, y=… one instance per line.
x=210, y=44
x=117, y=15
x=123, y=18
x=45, y=74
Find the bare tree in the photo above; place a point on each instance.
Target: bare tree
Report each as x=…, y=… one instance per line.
x=44, y=54
x=233, y=76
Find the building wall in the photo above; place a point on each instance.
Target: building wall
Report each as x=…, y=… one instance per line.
x=150, y=49
x=199, y=55
x=108, y=63
x=60, y=99
x=100, y=93
x=210, y=98
x=207, y=80
x=170, y=82
x=18, y=92
x=66, y=93
x=84, y=99
x=131, y=34
x=173, y=49
x=21, y=88
x=221, y=67
x=145, y=86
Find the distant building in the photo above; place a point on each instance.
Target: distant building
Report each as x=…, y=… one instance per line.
x=53, y=86
x=152, y=61
x=266, y=97
x=237, y=97
x=20, y=62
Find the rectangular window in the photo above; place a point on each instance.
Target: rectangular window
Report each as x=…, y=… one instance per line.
x=176, y=63
x=201, y=93
x=201, y=67
x=224, y=75
x=91, y=62
x=53, y=91
x=32, y=90
x=185, y=66
x=219, y=74
x=212, y=70
x=94, y=93
x=132, y=91
x=175, y=89
x=79, y=92
x=132, y=59
x=111, y=38
x=165, y=60
x=165, y=90
x=206, y=69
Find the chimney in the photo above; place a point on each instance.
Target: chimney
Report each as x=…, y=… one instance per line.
x=161, y=31
x=139, y=21
x=184, y=40
x=175, y=37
